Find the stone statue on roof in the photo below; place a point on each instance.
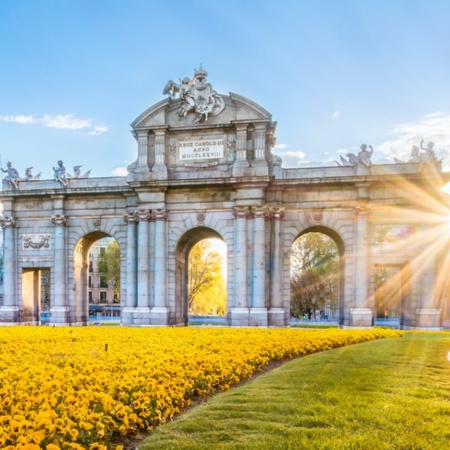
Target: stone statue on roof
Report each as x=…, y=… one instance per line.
x=197, y=96
x=12, y=178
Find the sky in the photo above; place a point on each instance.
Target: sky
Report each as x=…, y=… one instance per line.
x=334, y=74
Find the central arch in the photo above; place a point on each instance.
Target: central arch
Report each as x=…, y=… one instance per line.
x=184, y=246
x=336, y=238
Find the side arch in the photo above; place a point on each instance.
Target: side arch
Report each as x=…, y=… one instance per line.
x=184, y=245
x=80, y=306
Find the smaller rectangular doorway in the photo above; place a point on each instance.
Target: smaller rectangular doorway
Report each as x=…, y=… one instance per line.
x=36, y=296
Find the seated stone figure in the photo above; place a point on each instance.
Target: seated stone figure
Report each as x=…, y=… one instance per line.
x=60, y=173
x=12, y=178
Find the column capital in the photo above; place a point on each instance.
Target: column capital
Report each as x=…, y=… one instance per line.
x=241, y=212
x=59, y=220
x=159, y=214
x=130, y=217
x=143, y=215
x=276, y=212
x=362, y=209
x=259, y=211
x=7, y=222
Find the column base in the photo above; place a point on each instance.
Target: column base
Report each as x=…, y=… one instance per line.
x=126, y=316
x=9, y=315
x=59, y=315
x=359, y=318
x=141, y=316
x=428, y=319
x=159, y=316
x=258, y=317
x=276, y=317
x=240, y=317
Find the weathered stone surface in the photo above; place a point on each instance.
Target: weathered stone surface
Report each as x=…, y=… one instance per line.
x=216, y=177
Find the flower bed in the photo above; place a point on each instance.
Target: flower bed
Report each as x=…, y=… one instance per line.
x=80, y=388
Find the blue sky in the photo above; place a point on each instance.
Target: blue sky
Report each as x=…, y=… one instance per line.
x=333, y=73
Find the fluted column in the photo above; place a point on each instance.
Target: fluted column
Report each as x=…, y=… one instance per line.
x=259, y=258
x=240, y=308
x=258, y=310
x=159, y=314
x=143, y=259
x=276, y=311
x=160, y=216
x=59, y=309
x=10, y=310
x=131, y=264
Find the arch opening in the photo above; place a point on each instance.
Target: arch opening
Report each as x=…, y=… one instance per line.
x=97, y=282
x=317, y=277
x=201, y=278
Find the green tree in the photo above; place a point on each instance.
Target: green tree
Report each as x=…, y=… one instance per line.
x=206, y=281
x=108, y=265
x=314, y=275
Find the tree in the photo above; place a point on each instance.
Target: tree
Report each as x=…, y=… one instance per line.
x=206, y=281
x=108, y=265
x=314, y=275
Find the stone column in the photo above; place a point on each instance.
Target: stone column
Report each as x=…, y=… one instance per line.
x=131, y=276
x=160, y=168
x=240, y=310
x=9, y=312
x=141, y=315
x=160, y=312
x=59, y=311
x=361, y=313
x=241, y=151
x=142, y=162
x=276, y=310
x=258, y=311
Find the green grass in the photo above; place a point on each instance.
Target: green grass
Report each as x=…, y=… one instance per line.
x=384, y=394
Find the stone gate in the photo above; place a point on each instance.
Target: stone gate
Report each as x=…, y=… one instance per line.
x=204, y=169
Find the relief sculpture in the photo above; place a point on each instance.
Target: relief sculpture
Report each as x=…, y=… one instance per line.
x=196, y=95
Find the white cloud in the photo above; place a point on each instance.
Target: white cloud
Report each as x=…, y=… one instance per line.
x=292, y=159
x=97, y=131
x=336, y=114
x=446, y=188
x=120, y=172
x=60, y=121
x=280, y=146
x=433, y=127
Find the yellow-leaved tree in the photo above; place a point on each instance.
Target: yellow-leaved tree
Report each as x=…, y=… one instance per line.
x=206, y=282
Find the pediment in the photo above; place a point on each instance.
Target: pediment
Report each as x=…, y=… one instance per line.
x=166, y=113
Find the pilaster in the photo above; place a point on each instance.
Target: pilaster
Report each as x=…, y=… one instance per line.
x=258, y=311
x=240, y=308
x=143, y=160
x=59, y=310
x=160, y=168
x=130, y=219
x=9, y=311
x=159, y=313
x=276, y=311
x=141, y=315
x=241, y=162
x=361, y=315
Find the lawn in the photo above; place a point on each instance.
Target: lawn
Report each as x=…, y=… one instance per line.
x=383, y=394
